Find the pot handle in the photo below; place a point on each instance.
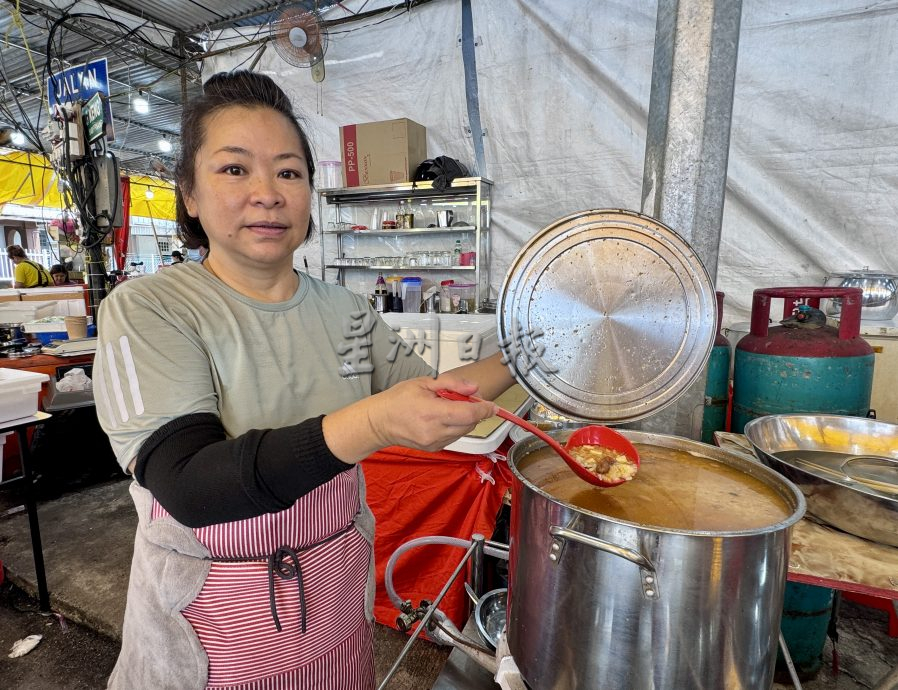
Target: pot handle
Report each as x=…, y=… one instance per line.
x=646, y=567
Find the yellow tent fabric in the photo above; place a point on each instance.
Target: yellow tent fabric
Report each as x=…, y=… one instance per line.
x=28, y=179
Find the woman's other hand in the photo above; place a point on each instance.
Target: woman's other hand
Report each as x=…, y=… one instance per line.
x=409, y=414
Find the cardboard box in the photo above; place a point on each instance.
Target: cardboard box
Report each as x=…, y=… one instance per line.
x=382, y=152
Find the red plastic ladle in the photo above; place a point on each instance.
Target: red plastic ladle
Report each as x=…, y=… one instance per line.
x=588, y=435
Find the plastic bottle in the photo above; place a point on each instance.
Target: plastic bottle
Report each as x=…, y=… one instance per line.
x=456, y=253
x=380, y=287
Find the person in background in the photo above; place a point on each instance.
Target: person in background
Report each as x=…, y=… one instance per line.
x=27, y=273
x=60, y=275
x=177, y=257
x=253, y=561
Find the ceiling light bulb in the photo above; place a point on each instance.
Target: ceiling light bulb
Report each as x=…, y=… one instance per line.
x=164, y=145
x=18, y=138
x=148, y=194
x=140, y=105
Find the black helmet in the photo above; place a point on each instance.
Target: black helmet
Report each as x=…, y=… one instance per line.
x=442, y=170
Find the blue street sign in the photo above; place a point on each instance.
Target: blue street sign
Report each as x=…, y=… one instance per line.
x=79, y=83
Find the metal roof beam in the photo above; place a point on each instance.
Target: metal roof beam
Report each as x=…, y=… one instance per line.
x=90, y=33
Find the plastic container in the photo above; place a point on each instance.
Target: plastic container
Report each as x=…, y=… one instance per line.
x=19, y=392
x=45, y=325
x=463, y=298
x=329, y=174
x=445, y=298
x=46, y=337
x=411, y=295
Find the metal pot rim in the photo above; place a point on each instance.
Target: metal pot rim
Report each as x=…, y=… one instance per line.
x=754, y=468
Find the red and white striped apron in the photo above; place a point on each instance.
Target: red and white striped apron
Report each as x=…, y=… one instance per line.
x=253, y=587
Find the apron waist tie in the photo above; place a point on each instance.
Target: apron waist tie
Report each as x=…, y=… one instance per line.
x=284, y=563
x=286, y=570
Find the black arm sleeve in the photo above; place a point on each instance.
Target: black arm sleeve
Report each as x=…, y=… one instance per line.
x=202, y=478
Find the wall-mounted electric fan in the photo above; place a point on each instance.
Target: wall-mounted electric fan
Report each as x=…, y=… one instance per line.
x=300, y=39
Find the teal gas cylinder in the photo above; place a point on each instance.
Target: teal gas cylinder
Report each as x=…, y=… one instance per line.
x=809, y=367
x=807, y=610
x=717, y=383
x=803, y=366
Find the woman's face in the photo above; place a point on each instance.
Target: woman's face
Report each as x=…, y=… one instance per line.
x=251, y=190
x=59, y=278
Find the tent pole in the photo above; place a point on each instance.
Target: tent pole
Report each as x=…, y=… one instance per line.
x=687, y=145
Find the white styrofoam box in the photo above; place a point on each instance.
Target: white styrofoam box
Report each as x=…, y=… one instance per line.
x=61, y=307
x=453, y=328
x=19, y=392
x=20, y=312
x=477, y=445
x=69, y=299
x=454, y=333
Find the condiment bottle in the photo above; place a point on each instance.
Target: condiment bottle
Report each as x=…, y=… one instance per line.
x=380, y=294
x=405, y=218
x=456, y=253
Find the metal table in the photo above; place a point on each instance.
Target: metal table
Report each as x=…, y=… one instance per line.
x=461, y=672
x=20, y=426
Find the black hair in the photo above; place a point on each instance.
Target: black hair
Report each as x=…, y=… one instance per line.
x=222, y=90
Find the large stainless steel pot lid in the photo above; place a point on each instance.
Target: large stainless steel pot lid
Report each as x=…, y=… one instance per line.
x=606, y=315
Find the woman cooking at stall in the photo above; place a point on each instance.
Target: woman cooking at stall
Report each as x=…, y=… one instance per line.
x=252, y=561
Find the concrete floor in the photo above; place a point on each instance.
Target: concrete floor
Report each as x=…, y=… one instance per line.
x=87, y=538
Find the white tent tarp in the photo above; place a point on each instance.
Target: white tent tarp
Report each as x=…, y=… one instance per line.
x=564, y=91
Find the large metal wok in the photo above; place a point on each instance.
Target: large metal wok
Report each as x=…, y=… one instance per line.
x=847, y=468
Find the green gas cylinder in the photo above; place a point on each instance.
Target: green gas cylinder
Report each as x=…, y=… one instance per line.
x=717, y=383
x=803, y=365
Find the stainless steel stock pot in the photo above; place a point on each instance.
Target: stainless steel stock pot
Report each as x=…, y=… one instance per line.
x=599, y=602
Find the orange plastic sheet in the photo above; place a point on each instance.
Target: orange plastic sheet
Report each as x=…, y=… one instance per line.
x=415, y=494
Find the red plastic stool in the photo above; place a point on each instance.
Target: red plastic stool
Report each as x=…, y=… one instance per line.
x=880, y=603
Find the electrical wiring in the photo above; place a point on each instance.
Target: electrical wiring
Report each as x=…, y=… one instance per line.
x=28, y=130
x=17, y=20
x=407, y=8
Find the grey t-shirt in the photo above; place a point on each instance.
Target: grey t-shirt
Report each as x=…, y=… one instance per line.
x=181, y=342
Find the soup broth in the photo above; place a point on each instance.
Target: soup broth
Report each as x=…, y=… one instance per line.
x=673, y=489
